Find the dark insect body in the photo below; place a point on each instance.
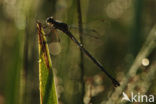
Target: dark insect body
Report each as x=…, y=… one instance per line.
x=64, y=28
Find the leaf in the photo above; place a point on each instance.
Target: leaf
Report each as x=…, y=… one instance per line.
x=46, y=77
x=13, y=75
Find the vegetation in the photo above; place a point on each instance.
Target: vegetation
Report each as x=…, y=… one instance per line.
x=46, y=77
x=120, y=34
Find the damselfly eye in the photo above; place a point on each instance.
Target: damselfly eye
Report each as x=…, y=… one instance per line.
x=50, y=20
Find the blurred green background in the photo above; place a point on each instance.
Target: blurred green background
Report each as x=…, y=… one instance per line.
x=116, y=32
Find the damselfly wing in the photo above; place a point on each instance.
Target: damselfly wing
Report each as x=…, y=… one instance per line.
x=53, y=40
x=87, y=32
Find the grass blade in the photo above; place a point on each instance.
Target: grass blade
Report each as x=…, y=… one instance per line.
x=46, y=77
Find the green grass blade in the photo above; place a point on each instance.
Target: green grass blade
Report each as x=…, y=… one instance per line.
x=13, y=75
x=46, y=77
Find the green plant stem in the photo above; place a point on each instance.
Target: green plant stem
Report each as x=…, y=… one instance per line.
x=81, y=52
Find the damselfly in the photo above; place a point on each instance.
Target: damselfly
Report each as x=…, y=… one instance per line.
x=54, y=25
x=54, y=40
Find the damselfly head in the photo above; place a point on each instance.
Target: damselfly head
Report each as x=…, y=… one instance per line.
x=50, y=20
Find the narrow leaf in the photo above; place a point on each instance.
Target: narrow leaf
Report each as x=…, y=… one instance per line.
x=46, y=77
